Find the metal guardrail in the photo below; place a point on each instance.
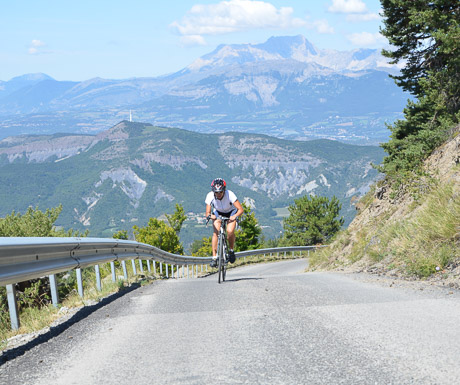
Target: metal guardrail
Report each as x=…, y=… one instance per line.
x=22, y=259
x=26, y=258
x=288, y=249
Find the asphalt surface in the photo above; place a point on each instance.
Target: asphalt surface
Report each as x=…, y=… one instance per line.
x=267, y=324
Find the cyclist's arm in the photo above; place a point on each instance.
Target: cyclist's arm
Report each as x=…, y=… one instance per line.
x=240, y=211
x=209, y=213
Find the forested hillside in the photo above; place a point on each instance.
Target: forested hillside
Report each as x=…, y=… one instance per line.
x=135, y=171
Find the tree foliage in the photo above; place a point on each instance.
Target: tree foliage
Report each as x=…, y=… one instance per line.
x=121, y=234
x=425, y=38
x=248, y=233
x=35, y=223
x=201, y=247
x=177, y=219
x=312, y=220
x=157, y=233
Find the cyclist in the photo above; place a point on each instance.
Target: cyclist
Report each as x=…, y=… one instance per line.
x=224, y=203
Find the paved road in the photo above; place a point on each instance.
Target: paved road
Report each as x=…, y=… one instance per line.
x=268, y=324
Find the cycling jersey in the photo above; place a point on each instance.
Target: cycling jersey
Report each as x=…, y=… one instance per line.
x=224, y=205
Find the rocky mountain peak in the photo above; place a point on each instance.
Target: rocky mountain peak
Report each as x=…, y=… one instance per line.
x=288, y=48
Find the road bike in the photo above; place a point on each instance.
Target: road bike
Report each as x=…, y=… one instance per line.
x=222, y=250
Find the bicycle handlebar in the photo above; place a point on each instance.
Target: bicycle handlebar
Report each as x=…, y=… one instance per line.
x=223, y=219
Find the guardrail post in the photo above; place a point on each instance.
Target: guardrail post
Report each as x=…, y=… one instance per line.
x=148, y=265
x=141, y=266
x=161, y=268
x=133, y=262
x=177, y=271
x=13, y=306
x=79, y=282
x=54, y=290
x=188, y=271
x=167, y=271
x=125, y=270
x=98, y=278
x=112, y=268
x=155, y=268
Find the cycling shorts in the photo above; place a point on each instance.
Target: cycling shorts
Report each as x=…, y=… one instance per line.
x=225, y=215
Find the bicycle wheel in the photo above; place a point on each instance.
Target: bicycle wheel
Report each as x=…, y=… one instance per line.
x=224, y=260
x=220, y=264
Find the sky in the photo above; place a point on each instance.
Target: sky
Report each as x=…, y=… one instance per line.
x=114, y=39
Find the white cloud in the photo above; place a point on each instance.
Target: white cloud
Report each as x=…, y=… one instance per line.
x=354, y=17
x=34, y=47
x=366, y=39
x=347, y=6
x=322, y=26
x=234, y=16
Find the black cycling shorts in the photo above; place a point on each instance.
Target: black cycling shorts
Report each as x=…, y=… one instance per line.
x=225, y=215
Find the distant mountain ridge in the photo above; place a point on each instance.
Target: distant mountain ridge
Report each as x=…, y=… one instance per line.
x=134, y=171
x=284, y=87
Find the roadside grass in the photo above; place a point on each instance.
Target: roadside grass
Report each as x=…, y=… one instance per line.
x=419, y=246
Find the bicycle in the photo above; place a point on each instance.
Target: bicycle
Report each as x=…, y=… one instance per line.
x=222, y=249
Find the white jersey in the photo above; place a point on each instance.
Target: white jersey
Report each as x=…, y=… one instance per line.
x=224, y=205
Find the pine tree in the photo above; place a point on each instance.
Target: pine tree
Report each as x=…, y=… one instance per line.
x=425, y=38
x=312, y=220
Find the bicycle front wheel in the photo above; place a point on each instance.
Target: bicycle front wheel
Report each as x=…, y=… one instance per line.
x=224, y=260
x=220, y=261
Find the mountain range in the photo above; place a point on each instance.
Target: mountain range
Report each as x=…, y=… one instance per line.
x=285, y=87
x=133, y=171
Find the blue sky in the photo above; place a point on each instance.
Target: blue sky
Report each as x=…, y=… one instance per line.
x=114, y=39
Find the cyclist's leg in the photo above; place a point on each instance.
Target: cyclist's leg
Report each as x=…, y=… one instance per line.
x=231, y=226
x=216, y=226
x=231, y=234
x=214, y=240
